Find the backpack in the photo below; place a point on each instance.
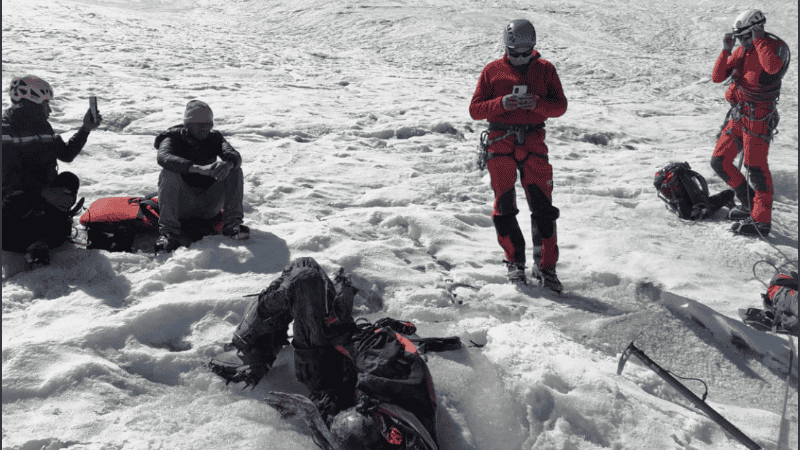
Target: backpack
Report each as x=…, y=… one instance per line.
x=684, y=191
x=394, y=378
x=113, y=223
x=781, y=300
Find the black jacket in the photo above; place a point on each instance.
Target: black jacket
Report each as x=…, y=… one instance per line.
x=31, y=149
x=177, y=152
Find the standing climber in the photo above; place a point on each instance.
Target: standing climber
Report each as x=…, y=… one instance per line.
x=516, y=94
x=755, y=70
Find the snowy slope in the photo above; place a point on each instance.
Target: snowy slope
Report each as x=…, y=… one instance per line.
x=352, y=121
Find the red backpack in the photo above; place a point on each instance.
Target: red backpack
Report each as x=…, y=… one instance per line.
x=113, y=223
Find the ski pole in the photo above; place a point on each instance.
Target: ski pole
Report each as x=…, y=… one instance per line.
x=715, y=416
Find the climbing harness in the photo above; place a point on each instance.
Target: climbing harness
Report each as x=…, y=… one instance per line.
x=519, y=131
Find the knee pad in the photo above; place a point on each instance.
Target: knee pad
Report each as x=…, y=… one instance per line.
x=506, y=203
x=716, y=164
x=505, y=225
x=759, y=178
x=540, y=204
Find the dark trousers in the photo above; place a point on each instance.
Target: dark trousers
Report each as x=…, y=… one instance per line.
x=323, y=321
x=177, y=200
x=27, y=218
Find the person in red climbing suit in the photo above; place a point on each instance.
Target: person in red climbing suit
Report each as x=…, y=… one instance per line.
x=755, y=70
x=516, y=142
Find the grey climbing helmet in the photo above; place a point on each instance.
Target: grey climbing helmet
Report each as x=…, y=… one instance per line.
x=519, y=33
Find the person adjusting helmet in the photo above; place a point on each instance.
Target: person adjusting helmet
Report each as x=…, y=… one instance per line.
x=755, y=71
x=37, y=200
x=516, y=95
x=748, y=26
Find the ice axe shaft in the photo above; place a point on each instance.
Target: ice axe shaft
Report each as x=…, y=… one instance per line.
x=729, y=427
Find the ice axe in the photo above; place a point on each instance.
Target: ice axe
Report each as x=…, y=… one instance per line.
x=715, y=416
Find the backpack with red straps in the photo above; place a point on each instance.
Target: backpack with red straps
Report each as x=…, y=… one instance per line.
x=781, y=300
x=685, y=192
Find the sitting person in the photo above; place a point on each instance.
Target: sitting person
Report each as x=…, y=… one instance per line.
x=194, y=184
x=368, y=382
x=37, y=200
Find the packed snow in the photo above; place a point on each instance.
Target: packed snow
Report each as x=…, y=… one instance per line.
x=352, y=121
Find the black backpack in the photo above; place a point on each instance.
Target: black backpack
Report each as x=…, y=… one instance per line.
x=685, y=192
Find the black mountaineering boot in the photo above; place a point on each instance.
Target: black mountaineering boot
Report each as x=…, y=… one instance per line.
x=745, y=196
x=516, y=273
x=749, y=227
x=547, y=278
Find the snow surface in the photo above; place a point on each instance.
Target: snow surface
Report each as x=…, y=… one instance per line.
x=352, y=121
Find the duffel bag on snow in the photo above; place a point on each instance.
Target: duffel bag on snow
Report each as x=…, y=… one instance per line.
x=113, y=223
x=685, y=192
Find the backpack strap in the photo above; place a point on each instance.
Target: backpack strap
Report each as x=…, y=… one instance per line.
x=426, y=345
x=790, y=282
x=698, y=196
x=146, y=201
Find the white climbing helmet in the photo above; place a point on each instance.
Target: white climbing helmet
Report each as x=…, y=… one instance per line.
x=30, y=87
x=747, y=20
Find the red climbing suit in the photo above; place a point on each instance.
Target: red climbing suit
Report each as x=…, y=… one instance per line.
x=497, y=80
x=753, y=96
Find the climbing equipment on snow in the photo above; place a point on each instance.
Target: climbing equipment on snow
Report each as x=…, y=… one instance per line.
x=700, y=403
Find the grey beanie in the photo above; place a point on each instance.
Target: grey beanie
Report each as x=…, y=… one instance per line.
x=197, y=111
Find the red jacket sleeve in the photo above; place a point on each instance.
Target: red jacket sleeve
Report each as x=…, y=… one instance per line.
x=768, y=56
x=484, y=104
x=555, y=104
x=724, y=66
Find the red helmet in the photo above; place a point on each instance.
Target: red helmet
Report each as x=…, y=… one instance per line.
x=30, y=87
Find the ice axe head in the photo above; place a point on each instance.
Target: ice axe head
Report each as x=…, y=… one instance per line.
x=624, y=358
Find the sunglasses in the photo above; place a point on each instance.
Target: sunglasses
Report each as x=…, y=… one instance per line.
x=519, y=54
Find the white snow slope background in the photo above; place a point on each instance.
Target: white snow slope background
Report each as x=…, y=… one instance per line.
x=352, y=120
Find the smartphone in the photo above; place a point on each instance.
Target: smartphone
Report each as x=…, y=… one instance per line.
x=93, y=107
x=520, y=89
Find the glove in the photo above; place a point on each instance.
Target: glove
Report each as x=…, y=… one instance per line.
x=758, y=32
x=528, y=101
x=727, y=42
x=511, y=102
x=88, y=123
